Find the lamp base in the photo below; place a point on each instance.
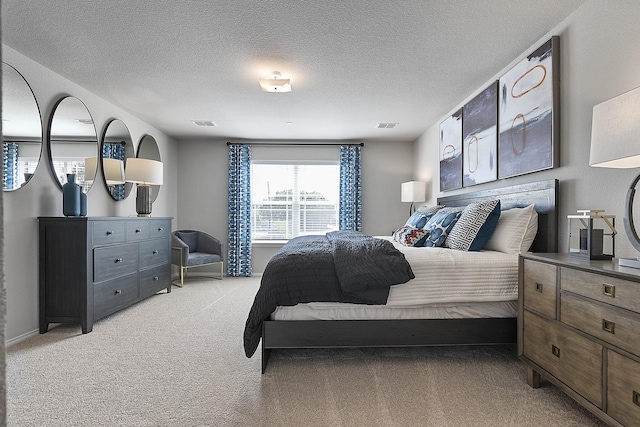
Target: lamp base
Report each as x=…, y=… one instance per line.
x=143, y=200
x=629, y=262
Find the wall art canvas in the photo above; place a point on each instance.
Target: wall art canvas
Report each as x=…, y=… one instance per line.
x=451, y=152
x=480, y=137
x=528, y=113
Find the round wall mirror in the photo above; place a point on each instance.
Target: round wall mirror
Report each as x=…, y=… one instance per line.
x=21, y=130
x=148, y=149
x=115, y=149
x=73, y=143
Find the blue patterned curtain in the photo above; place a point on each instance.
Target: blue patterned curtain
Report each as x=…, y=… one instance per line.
x=350, y=212
x=112, y=150
x=239, y=244
x=9, y=165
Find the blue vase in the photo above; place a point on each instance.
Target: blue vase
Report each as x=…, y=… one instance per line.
x=71, y=196
x=83, y=203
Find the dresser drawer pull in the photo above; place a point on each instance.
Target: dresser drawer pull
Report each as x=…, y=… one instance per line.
x=118, y=291
x=160, y=229
x=636, y=398
x=156, y=278
x=155, y=252
x=118, y=260
x=109, y=233
x=538, y=287
x=555, y=350
x=138, y=230
x=608, y=290
x=608, y=326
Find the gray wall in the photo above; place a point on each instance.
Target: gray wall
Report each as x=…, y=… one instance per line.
x=42, y=197
x=202, y=187
x=598, y=61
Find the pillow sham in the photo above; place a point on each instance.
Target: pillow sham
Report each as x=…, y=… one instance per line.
x=515, y=231
x=475, y=226
x=439, y=226
x=410, y=236
x=429, y=209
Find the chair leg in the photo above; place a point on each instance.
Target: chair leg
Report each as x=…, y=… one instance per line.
x=181, y=276
x=221, y=270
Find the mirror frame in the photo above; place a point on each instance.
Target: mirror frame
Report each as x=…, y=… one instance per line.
x=56, y=108
x=129, y=151
x=7, y=68
x=148, y=149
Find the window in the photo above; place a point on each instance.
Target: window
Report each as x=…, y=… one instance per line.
x=289, y=200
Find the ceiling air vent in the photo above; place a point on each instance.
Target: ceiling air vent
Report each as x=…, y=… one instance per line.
x=203, y=122
x=387, y=125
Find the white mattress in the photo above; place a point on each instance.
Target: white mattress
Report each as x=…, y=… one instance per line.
x=448, y=284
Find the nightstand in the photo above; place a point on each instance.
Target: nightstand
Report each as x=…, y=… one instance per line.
x=579, y=328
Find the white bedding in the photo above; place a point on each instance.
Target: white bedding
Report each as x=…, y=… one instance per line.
x=448, y=284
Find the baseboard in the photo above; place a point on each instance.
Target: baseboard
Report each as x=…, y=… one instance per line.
x=22, y=337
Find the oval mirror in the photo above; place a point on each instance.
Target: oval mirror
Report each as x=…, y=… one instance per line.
x=116, y=148
x=148, y=149
x=72, y=143
x=21, y=130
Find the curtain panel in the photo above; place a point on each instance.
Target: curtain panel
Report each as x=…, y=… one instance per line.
x=111, y=150
x=239, y=211
x=350, y=211
x=9, y=165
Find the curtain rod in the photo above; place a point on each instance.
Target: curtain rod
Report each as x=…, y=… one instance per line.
x=282, y=144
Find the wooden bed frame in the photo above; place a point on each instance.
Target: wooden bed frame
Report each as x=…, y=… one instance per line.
x=425, y=332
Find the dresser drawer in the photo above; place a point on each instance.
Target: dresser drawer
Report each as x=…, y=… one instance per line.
x=107, y=232
x=159, y=228
x=153, y=252
x=540, y=287
x=571, y=358
x=623, y=389
x=115, y=294
x=154, y=279
x=114, y=261
x=610, y=324
x=136, y=230
x=618, y=292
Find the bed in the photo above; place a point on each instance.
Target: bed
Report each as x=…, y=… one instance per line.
x=478, y=323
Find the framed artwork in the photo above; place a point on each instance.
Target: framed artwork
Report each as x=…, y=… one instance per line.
x=480, y=137
x=451, y=152
x=529, y=98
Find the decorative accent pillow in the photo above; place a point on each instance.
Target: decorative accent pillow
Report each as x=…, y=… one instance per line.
x=475, y=225
x=429, y=209
x=515, y=231
x=410, y=236
x=439, y=226
x=418, y=219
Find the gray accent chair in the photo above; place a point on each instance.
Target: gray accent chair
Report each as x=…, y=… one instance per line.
x=192, y=248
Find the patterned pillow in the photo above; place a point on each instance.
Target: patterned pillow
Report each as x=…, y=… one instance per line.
x=475, y=226
x=410, y=236
x=418, y=219
x=439, y=226
x=429, y=209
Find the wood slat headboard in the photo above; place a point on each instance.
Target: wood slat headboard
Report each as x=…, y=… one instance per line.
x=543, y=194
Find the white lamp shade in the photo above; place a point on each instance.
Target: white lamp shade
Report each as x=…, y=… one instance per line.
x=615, y=132
x=113, y=171
x=144, y=171
x=90, y=169
x=413, y=191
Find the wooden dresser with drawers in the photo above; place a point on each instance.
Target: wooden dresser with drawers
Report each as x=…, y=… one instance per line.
x=579, y=328
x=91, y=267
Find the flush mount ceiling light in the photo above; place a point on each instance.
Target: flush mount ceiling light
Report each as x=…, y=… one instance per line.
x=275, y=83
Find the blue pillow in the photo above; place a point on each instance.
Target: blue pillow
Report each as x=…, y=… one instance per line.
x=475, y=225
x=439, y=226
x=418, y=219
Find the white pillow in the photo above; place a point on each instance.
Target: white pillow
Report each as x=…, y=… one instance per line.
x=515, y=231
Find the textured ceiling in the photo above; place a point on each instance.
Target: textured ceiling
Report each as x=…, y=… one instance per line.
x=352, y=63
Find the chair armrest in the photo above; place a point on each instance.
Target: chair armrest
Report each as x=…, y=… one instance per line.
x=179, y=251
x=209, y=244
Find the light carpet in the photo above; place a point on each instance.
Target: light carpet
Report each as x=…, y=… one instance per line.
x=177, y=360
